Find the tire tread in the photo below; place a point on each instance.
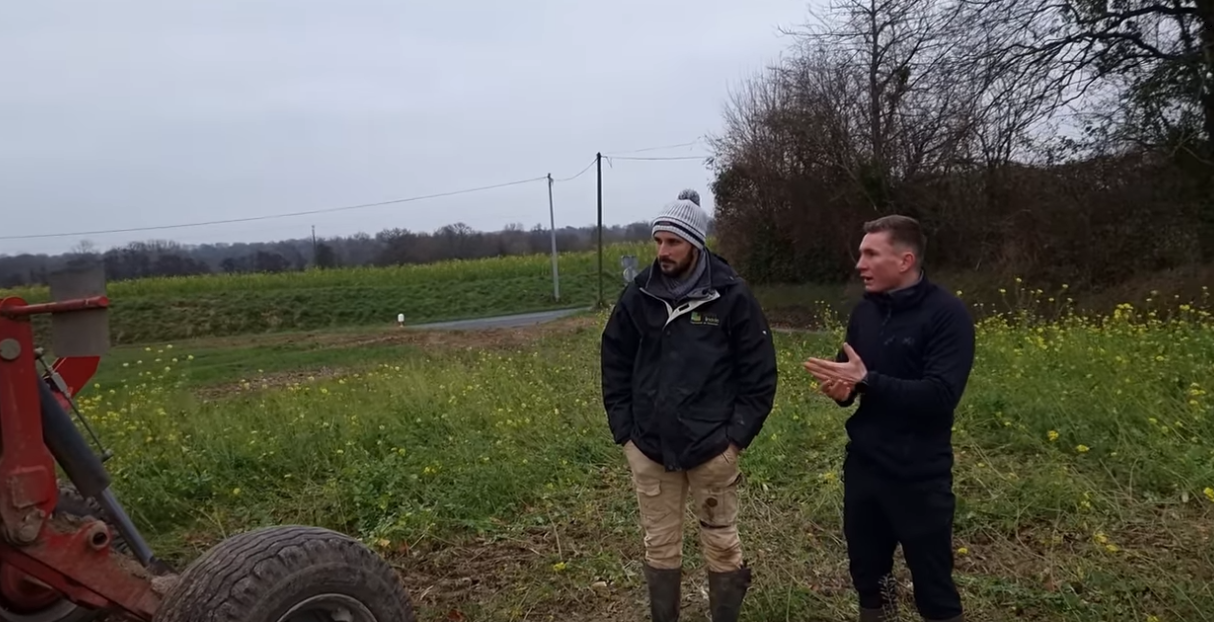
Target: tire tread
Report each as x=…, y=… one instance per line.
x=229, y=582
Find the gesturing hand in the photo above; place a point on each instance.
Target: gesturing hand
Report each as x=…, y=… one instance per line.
x=850, y=372
x=837, y=390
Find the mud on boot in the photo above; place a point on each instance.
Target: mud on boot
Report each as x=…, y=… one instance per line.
x=664, y=592
x=726, y=590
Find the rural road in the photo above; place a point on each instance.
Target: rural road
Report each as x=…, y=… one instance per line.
x=501, y=321
x=531, y=319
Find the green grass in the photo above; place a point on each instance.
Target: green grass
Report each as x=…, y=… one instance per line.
x=166, y=309
x=1085, y=468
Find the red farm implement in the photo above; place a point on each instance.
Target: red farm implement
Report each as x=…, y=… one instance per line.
x=69, y=552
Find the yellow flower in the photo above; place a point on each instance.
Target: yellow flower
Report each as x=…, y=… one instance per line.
x=1083, y=449
x=1053, y=435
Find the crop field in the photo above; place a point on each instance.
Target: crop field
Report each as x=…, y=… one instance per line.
x=481, y=466
x=162, y=309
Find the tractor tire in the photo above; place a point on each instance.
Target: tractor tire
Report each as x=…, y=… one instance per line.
x=288, y=574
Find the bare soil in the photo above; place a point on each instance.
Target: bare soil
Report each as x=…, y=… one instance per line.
x=425, y=339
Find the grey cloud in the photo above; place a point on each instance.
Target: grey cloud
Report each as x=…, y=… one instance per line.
x=148, y=111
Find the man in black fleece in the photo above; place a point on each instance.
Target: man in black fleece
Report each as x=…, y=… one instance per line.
x=689, y=377
x=907, y=357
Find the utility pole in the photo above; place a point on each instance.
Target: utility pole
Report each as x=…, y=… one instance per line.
x=556, y=279
x=598, y=160
x=314, y=247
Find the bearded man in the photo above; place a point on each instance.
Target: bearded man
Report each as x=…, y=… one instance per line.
x=689, y=377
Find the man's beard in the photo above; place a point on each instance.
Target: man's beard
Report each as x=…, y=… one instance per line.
x=673, y=269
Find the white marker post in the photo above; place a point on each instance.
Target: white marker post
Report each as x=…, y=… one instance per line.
x=400, y=320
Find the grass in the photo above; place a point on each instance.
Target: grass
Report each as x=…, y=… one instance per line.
x=481, y=466
x=166, y=309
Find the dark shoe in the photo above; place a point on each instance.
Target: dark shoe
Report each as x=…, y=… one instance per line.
x=664, y=587
x=875, y=615
x=725, y=593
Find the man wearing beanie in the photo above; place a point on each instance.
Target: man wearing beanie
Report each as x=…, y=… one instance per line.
x=689, y=377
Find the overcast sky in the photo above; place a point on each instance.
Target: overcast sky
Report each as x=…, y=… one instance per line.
x=249, y=108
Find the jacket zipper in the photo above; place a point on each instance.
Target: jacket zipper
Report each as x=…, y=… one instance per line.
x=673, y=313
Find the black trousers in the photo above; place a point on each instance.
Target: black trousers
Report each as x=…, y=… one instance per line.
x=878, y=514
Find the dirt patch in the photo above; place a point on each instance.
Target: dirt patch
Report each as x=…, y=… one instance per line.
x=793, y=318
x=274, y=380
x=508, y=579
x=425, y=339
x=460, y=339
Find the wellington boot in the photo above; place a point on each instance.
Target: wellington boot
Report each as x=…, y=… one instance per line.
x=875, y=615
x=664, y=585
x=726, y=590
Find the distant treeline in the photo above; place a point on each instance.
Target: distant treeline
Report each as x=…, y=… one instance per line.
x=162, y=258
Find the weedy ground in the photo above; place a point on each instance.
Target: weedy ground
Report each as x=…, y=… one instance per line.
x=480, y=465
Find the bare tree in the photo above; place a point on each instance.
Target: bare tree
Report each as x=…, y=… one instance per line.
x=936, y=108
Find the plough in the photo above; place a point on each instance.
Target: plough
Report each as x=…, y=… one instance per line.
x=69, y=552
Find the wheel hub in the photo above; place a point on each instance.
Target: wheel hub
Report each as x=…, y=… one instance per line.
x=26, y=599
x=329, y=608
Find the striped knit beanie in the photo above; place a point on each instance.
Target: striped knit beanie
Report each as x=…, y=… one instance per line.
x=684, y=218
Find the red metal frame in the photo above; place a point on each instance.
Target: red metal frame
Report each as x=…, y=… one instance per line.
x=75, y=561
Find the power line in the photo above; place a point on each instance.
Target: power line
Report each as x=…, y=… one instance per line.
x=696, y=141
x=699, y=157
x=646, y=149
x=583, y=171
x=273, y=216
x=368, y=205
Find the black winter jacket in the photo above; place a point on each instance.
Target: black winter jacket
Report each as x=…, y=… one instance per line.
x=918, y=347
x=682, y=381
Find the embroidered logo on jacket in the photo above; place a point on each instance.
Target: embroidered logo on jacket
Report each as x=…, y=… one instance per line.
x=704, y=319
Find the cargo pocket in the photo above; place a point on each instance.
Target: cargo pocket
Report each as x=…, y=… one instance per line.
x=647, y=481
x=654, y=509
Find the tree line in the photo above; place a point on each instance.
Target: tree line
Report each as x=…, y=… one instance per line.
x=163, y=258
x=1058, y=140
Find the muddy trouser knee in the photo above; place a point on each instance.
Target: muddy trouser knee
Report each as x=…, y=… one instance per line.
x=878, y=514
x=714, y=490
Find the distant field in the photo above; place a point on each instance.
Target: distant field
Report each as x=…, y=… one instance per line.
x=481, y=466
x=160, y=310
x=166, y=309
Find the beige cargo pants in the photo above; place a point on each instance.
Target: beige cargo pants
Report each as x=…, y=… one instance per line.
x=662, y=497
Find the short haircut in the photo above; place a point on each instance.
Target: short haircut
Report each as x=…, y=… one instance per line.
x=903, y=231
